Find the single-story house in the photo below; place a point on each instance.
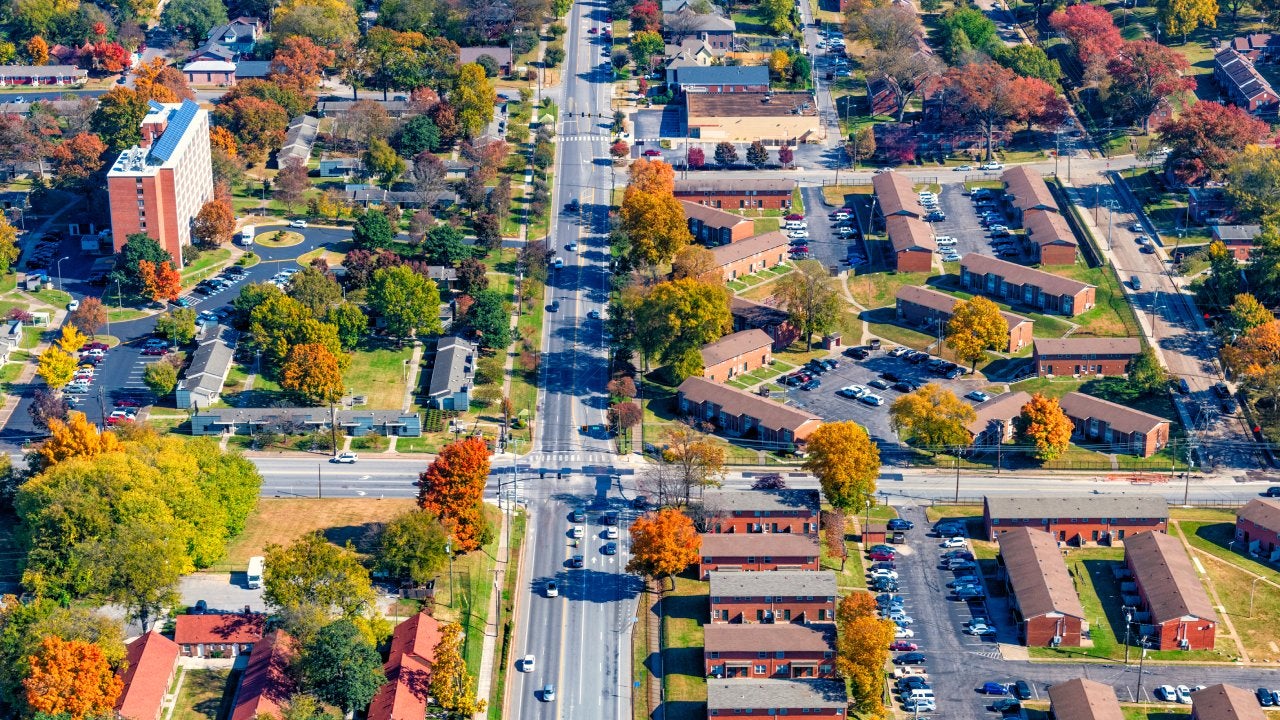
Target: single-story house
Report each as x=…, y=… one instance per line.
x=218, y=635
x=295, y=420
x=42, y=75
x=341, y=167
x=719, y=78
x=210, y=72
x=252, y=70
x=500, y=55
x=201, y=384
x=452, y=375
x=769, y=697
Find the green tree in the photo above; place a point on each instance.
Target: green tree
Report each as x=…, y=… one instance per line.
x=932, y=417
x=757, y=154
x=137, y=247
x=316, y=289
x=1146, y=374
x=313, y=581
x=678, y=317
x=279, y=322
x=141, y=565
x=372, y=231
x=24, y=624
x=810, y=297
x=554, y=55
x=382, y=160
x=975, y=326
x=473, y=97
x=178, y=325
x=645, y=45
x=846, y=462
x=408, y=303
x=1253, y=182
x=977, y=28
x=1245, y=314
x=490, y=317
x=419, y=134
x=413, y=545
x=161, y=377
x=1181, y=17
x=197, y=17
x=778, y=15
x=118, y=119
x=726, y=154
x=341, y=667
x=350, y=321
x=443, y=245
x=1028, y=61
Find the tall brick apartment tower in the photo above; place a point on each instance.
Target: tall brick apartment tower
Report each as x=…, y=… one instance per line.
x=159, y=186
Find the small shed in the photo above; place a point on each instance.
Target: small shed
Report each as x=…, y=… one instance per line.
x=875, y=533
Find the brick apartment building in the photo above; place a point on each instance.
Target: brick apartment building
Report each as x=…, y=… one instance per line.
x=1258, y=529
x=1101, y=519
x=713, y=227
x=158, y=186
x=750, y=255
x=150, y=662
x=1239, y=239
x=930, y=310
x=1176, y=611
x=737, y=193
x=759, y=553
x=773, y=597
x=896, y=196
x=218, y=635
x=1050, y=237
x=1225, y=702
x=1243, y=85
x=1082, y=699
x=1085, y=356
x=993, y=423
x=267, y=683
x=776, y=323
x=768, y=698
x=769, y=651
x=912, y=241
x=734, y=354
x=1018, y=285
x=742, y=414
x=1045, y=602
x=1025, y=190
x=762, y=511
x=408, y=670
x=1122, y=428
x=1257, y=46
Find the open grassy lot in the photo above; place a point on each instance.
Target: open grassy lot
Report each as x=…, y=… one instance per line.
x=684, y=612
x=206, y=694
x=281, y=521
x=1091, y=569
x=1254, y=608
x=379, y=375
x=879, y=289
x=209, y=263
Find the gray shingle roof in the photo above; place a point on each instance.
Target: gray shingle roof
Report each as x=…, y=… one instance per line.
x=753, y=500
x=1020, y=275
x=1001, y=408
x=713, y=186
x=723, y=75
x=787, y=583
x=1038, y=574
x=211, y=361
x=454, y=365
x=1169, y=583
x=1263, y=512
x=1226, y=702
x=1079, y=506
x=1119, y=417
x=745, y=694
x=712, y=217
x=1027, y=188
x=1088, y=346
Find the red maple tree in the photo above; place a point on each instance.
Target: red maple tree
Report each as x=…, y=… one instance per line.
x=452, y=488
x=1206, y=137
x=1091, y=29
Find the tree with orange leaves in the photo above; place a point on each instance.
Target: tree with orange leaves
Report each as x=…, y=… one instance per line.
x=160, y=82
x=77, y=437
x=312, y=371
x=862, y=648
x=38, y=50
x=161, y=281
x=72, y=677
x=452, y=489
x=78, y=158
x=221, y=138
x=652, y=176
x=1254, y=359
x=663, y=544
x=300, y=63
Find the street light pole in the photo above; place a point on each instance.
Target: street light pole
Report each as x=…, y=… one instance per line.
x=1128, y=622
x=60, y=270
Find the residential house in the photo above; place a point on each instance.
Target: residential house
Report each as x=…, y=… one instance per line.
x=1085, y=355
x=1076, y=520
x=773, y=597
x=1239, y=239
x=769, y=651
x=150, y=661
x=913, y=244
x=296, y=420
x=1243, y=85
x=1082, y=699
x=1050, y=237
x=751, y=255
x=1257, y=46
x=202, y=381
x=452, y=375
x=267, y=683
x=445, y=278
x=1208, y=205
x=500, y=55
x=735, y=354
x=341, y=167
x=737, y=512
x=759, y=553
x=896, y=196
x=1017, y=285
x=240, y=35
x=1176, y=611
x=1258, y=529
x=397, y=107
x=930, y=310
x=1225, y=702
x=691, y=52
x=769, y=697
x=720, y=79
x=1045, y=602
x=776, y=323
x=712, y=227
x=780, y=118
x=1123, y=428
x=1024, y=190
x=882, y=98
x=299, y=138
x=408, y=670
x=218, y=635
x=737, y=193
x=714, y=29
x=212, y=51
x=994, y=421
x=742, y=414
x=42, y=75
x=220, y=73
x=252, y=70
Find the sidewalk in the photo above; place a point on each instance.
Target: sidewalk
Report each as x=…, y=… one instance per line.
x=484, y=681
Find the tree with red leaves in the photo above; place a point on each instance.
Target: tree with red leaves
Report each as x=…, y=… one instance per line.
x=1091, y=29
x=110, y=57
x=990, y=96
x=161, y=280
x=696, y=157
x=646, y=16
x=786, y=155
x=1206, y=137
x=1145, y=73
x=452, y=489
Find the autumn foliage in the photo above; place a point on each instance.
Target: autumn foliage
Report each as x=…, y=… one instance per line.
x=452, y=489
x=77, y=437
x=1044, y=423
x=71, y=677
x=161, y=281
x=1090, y=29
x=313, y=371
x=845, y=462
x=862, y=648
x=663, y=544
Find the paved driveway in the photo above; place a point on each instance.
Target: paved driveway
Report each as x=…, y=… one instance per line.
x=825, y=246
x=962, y=221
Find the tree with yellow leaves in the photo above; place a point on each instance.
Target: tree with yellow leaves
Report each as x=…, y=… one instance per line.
x=450, y=681
x=862, y=648
x=697, y=262
x=77, y=437
x=932, y=417
x=975, y=326
x=1044, y=423
x=697, y=460
x=8, y=244
x=655, y=225
x=846, y=463
x=1181, y=17
x=56, y=367
x=38, y=50
x=221, y=138
x=71, y=339
x=72, y=677
x=663, y=544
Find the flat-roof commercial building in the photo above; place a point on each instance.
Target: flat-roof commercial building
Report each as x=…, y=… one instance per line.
x=931, y=310
x=757, y=552
x=1076, y=520
x=737, y=193
x=768, y=697
x=780, y=596
x=1177, y=613
x=1082, y=699
x=781, y=118
x=1258, y=529
x=1020, y=285
x=1044, y=597
x=1122, y=428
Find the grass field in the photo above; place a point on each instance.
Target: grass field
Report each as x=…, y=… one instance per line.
x=206, y=695
x=379, y=375
x=685, y=611
x=333, y=253
x=875, y=290
x=279, y=239
x=209, y=262
x=281, y=521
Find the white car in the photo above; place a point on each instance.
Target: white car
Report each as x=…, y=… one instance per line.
x=882, y=170
x=346, y=458
x=553, y=590
x=571, y=246
x=558, y=263
x=963, y=168
x=978, y=396
x=872, y=399
x=951, y=257
x=991, y=166
x=842, y=216
x=853, y=391
x=944, y=240
x=611, y=533
x=298, y=224
x=901, y=632
x=953, y=542
x=1167, y=692
x=73, y=306
x=1184, y=694
x=980, y=629
x=919, y=706
x=577, y=532
x=798, y=234
x=845, y=231
x=901, y=618
x=528, y=663
x=884, y=573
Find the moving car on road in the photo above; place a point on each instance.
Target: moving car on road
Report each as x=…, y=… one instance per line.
x=346, y=458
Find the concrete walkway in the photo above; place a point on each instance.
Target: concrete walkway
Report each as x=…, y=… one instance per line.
x=484, y=681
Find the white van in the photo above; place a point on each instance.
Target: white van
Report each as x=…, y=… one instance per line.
x=246, y=235
x=796, y=225
x=256, y=564
x=919, y=695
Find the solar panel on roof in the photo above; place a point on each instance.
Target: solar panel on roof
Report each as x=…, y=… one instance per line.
x=168, y=142
x=154, y=106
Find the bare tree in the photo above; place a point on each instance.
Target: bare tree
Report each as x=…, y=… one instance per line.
x=663, y=483
x=889, y=28
x=906, y=72
x=706, y=515
x=429, y=175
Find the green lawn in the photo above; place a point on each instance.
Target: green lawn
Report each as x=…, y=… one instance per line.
x=466, y=599
x=1254, y=608
x=206, y=694
x=56, y=298
x=209, y=262
x=1091, y=569
x=876, y=290
x=685, y=611
x=379, y=375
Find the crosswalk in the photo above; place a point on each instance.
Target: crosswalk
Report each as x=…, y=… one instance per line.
x=593, y=137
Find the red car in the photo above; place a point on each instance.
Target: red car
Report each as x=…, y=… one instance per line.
x=94, y=346
x=652, y=153
x=799, y=249
x=882, y=555
x=795, y=216
x=903, y=645
x=155, y=351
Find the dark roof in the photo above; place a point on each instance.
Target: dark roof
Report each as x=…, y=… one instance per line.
x=469, y=55
x=754, y=245
x=734, y=345
x=943, y=303
x=1079, y=506
x=215, y=49
x=1241, y=73
x=770, y=414
x=1088, y=346
x=1002, y=408
x=779, y=637
x=750, y=104
x=773, y=583
x=454, y=365
x=754, y=314
x=1263, y=512
x=246, y=69
x=776, y=545
x=758, y=694
x=694, y=22
x=1047, y=226
x=1226, y=702
x=1236, y=232
x=722, y=75
x=179, y=121
x=762, y=500
x=1027, y=188
x=1119, y=417
x=1169, y=583
x=1082, y=699
x=712, y=186
x=41, y=71
x=1020, y=275
x=1038, y=574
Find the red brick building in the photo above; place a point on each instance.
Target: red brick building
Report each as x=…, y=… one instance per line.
x=737, y=413
x=769, y=651
x=1045, y=602
x=912, y=242
x=1050, y=237
x=734, y=354
x=1123, y=428
x=1258, y=529
x=1082, y=699
x=1076, y=520
x=1176, y=611
x=1239, y=239
x=773, y=597
x=769, y=698
x=930, y=309
x=762, y=511
x=267, y=685
x=776, y=323
x=150, y=662
x=408, y=670
x=1225, y=702
x=993, y=422
x=1018, y=285
x=1085, y=356
x=218, y=635
x=751, y=255
x=759, y=553
x=737, y=193
x=1026, y=190
x=712, y=227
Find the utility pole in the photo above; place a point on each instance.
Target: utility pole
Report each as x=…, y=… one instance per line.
x=319, y=484
x=1141, y=658
x=1128, y=622
x=957, y=452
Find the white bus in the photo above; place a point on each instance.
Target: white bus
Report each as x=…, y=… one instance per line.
x=256, y=564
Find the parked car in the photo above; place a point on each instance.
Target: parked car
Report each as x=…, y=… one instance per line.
x=994, y=688
x=1265, y=697
x=298, y=224
x=901, y=632
x=902, y=645
x=911, y=658
x=813, y=384
x=953, y=542
x=979, y=629
x=1022, y=690
x=1166, y=693
x=852, y=391
x=977, y=396
x=991, y=166
x=882, y=555
x=900, y=524
x=1006, y=705
x=1183, y=693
